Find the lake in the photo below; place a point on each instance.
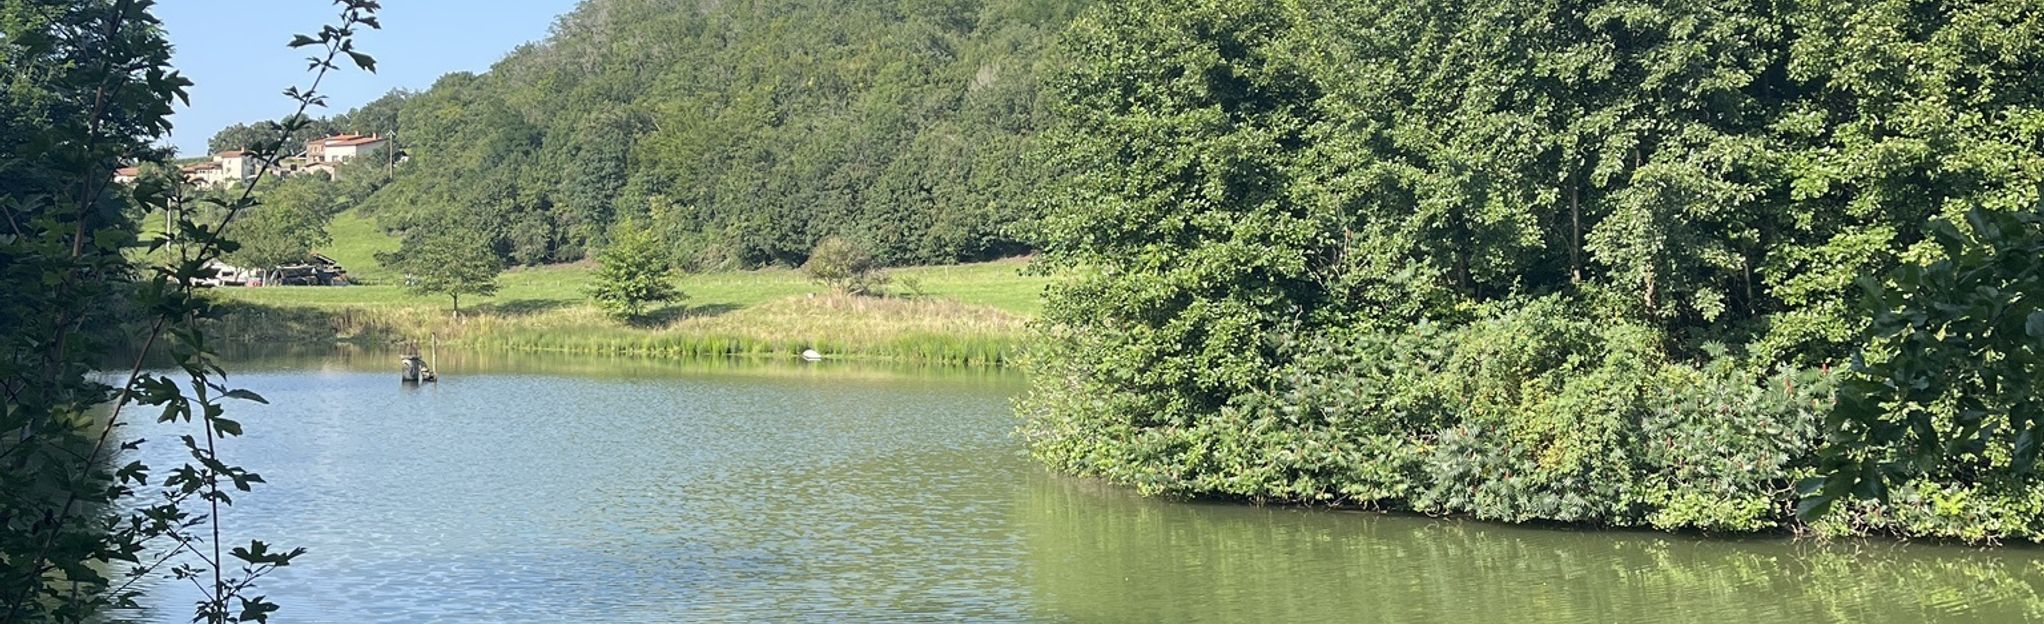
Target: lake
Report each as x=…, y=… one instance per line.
x=553, y=488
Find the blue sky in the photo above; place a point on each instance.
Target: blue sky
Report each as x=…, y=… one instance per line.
x=234, y=51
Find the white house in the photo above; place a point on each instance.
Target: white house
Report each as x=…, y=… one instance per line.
x=343, y=147
x=237, y=165
x=225, y=169
x=206, y=174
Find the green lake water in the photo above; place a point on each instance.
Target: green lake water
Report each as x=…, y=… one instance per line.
x=556, y=489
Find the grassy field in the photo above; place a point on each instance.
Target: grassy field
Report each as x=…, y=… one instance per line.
x=357, y=240
x=960, y=314
x=1000, y=284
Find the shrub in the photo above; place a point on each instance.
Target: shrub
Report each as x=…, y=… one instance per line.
x=1549, y=407
x=1526, y=414
x=1722, y=448
x=844, y=266
x=633, y=271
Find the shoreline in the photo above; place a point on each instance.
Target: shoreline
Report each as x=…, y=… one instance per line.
x=841, y=327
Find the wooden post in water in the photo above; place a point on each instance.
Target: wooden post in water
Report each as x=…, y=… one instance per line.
x=435, y=351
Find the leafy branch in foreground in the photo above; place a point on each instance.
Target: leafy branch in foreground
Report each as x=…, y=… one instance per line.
x=98, y=79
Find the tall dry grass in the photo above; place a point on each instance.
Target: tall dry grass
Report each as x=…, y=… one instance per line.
x=838, y=326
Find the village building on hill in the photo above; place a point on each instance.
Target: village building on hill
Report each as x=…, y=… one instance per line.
x=226, y=169
x=323, y=155
x=343, y=147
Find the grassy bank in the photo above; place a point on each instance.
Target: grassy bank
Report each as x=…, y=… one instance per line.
x=965, y=314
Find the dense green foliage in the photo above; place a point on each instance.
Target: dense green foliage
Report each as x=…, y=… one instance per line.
x=378, y=117
x=62, y=277
x=633, y=271
x=744, y=132
x=1510, y=258
x=1954, y=383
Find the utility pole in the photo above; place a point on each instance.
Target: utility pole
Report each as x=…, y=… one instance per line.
x=390, y=154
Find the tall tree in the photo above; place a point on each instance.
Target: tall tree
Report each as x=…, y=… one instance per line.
x=446, y=260
x=906, y=124
x=1182, y=124
x=288, y=227
x=247, y=136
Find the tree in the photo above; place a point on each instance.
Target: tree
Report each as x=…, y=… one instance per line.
x=290, y=224
x=1656, y=191
x=446, y=260
x=85, y=88
x=1178, y=219
x=904, y=122
x=633, y=271
x=251, y=136
x=844, y=266
x=378, y=117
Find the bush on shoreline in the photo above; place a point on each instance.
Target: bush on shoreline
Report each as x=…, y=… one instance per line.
x=1530, y=414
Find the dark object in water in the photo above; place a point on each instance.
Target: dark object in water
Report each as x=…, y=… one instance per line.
x=413, y=369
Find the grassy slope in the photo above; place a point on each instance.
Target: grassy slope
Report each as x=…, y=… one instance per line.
x=965, y=313
x=356, y=241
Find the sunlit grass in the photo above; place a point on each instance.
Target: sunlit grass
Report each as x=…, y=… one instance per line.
x=838, y=326
x=961, y=314
x=1000, y=284
x=356, y=241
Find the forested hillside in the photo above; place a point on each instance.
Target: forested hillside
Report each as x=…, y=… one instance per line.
x=744, y=132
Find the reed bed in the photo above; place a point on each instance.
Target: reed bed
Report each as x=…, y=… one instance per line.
x=925, y=331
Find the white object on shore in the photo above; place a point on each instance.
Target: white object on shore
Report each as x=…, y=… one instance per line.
x=812, y=355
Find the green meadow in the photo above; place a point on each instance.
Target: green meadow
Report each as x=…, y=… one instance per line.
x=956, y=314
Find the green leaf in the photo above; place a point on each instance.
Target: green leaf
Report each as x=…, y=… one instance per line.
x=364, y=61
x=246, y=395
x=1811, y=509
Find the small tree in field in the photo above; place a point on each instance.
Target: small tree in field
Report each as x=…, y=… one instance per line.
x=635, y=270
x=450, y=261
x=844, y=266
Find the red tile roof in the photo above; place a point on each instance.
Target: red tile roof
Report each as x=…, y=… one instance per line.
x=233, y=154
x=128, y=172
